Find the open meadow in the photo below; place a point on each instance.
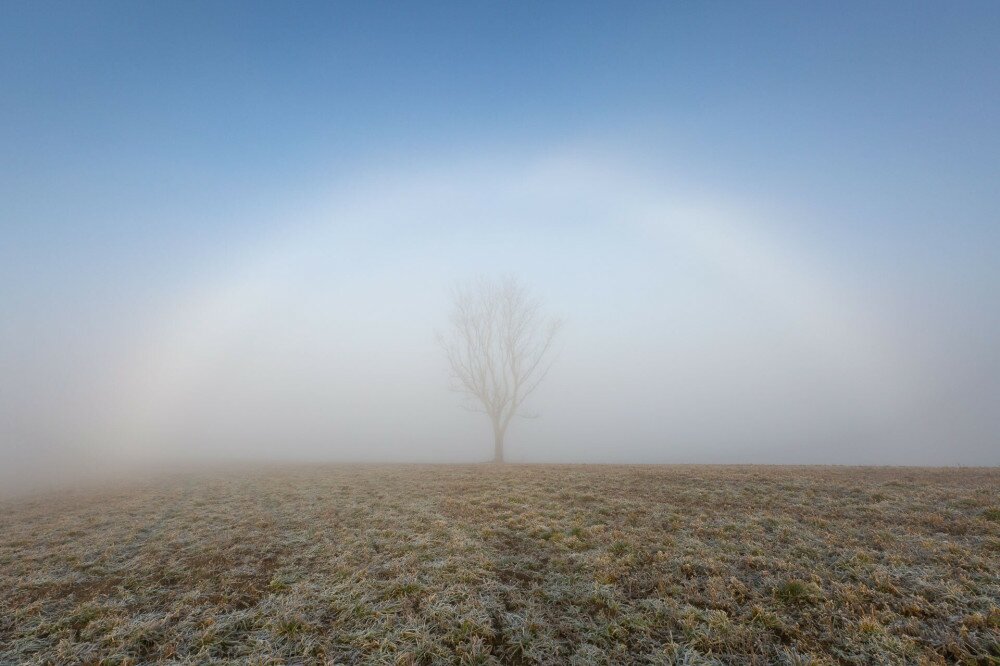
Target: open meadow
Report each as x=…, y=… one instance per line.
x=509, y=564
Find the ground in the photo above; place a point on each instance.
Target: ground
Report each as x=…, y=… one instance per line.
x=509, y=564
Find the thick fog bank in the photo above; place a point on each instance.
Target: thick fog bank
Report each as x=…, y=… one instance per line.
x=698, y=329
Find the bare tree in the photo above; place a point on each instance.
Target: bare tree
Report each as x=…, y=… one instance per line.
x=499, y=348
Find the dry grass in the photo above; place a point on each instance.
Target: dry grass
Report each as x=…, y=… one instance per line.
x=484, y=564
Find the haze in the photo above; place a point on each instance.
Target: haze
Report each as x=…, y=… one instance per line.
x=772, y=231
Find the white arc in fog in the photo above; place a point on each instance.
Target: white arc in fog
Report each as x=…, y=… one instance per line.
x=321, y=328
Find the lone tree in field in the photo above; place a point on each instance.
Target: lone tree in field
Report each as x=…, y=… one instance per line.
x=499, y=348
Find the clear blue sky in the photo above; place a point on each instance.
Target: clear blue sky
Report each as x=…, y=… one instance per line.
x=141, y=142
x=111, y=108
x=155, y=101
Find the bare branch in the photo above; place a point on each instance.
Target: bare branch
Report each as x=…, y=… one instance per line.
x=499, y=348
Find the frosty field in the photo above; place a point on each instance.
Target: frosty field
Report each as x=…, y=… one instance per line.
x=508, y=564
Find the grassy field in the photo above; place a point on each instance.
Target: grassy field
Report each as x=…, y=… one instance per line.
x=514, y=564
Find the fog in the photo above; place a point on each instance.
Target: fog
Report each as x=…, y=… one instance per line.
x=229, y=234
x=699, y=329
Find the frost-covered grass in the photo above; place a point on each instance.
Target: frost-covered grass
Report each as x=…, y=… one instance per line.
x=515, y=564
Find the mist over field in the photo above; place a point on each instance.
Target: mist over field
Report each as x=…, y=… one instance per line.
x=696, y=332
x=205, y=263
x=564, y=333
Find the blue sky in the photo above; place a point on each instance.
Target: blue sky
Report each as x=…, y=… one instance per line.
x=191, y=96
x=128, y=123
x=147, y=146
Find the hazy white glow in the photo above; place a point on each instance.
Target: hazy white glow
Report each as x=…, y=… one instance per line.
x=327, y=330
x=696, y=332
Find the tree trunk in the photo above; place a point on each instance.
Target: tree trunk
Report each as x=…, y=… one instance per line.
x=497, y=444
